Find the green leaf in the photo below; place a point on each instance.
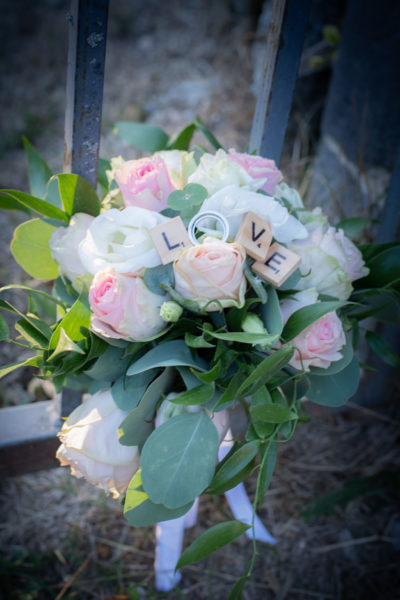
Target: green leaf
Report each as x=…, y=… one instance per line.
x=22, y=201
x=291, y=282
x=64, y=344
x=353, y=227
x=196, y=341
x=4, y=329
x=193, y=194
x=181, y=141
x=30, y=248
x=39, y=171
x=231, y=392
x=307, y=315
x=207, y=133
x=142, y=135
x=210, y=375
x=168, y=354
x=104, y=165
x=246, y=338
x=137, y=426
x=234, y=465
x=267, y=466
x=270, y=312
x=140, y=511
x=272, y=413
x=265, y=370
x=77, y=195
x=77, y=317
x=178, y=459
x=236, y=591
x=128, y=391
x=110, y=365
x=384, y=269
x=31, y=334
x=6, y=369
x=197, y=395
x=256, y=283
x=211, y=540
x=154, y=277
x=380, y=346
x=335, y=390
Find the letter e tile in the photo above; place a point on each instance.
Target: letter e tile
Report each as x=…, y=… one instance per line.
x=255, y=235
x=278, y=266
x=169, y=239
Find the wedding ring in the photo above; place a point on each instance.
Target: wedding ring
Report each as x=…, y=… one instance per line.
x=207, y=214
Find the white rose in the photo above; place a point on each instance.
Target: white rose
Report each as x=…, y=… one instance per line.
x=216, y=171
x=120, y=239
x=329, y=262
x=174, y=161
x=233, y=202
x=90, y=445
x=64, y=245
x=291, y=195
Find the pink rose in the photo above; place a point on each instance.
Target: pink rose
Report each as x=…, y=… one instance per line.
x=212, y=270
x=145, y=183
x=258, y=168
x=123, y=307
x=318, y=344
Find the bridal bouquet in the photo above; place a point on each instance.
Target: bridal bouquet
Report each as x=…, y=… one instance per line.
x=199, y=281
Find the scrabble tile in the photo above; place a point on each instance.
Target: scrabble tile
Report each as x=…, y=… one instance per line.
x=278, y=266
x=169, y=239
x=255, y=235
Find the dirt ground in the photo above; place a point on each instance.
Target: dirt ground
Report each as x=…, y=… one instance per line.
x=61, y=538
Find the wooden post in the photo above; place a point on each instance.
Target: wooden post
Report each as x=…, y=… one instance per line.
x=280, y=65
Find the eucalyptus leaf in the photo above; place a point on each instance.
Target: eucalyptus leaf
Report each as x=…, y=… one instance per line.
x=211, y=540
x=178, y=459
x=168, y=354
x=154, y=277
x=137, y=426
x=291, y=282
x=380, y=346
x=30, y=248
x=39, y=171
x=110, y=365
x=128, y=391
x=335, y=390
x=140, y=511
x=142, y=135
x=271, y=314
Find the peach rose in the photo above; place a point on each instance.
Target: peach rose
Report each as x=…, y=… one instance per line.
x=259, y=168
x=123, y=307
x=145, y=183
x=212, y=270
x=90, y=444
x=319, y=344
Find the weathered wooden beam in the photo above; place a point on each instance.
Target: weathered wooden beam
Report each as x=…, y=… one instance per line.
x=28, y=437
x=85, y=77
x=279, y=72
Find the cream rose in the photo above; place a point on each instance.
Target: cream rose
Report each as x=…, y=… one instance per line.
x=329, y=261
x=123, y=307
x=90, y=445
x=216, y=171
x=64, y=245
x=320, y=343
x=234, y=202
x=212, y=270
x=120, y=239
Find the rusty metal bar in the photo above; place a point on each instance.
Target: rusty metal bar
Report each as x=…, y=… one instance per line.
x=281, y=62
x=85, y=77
